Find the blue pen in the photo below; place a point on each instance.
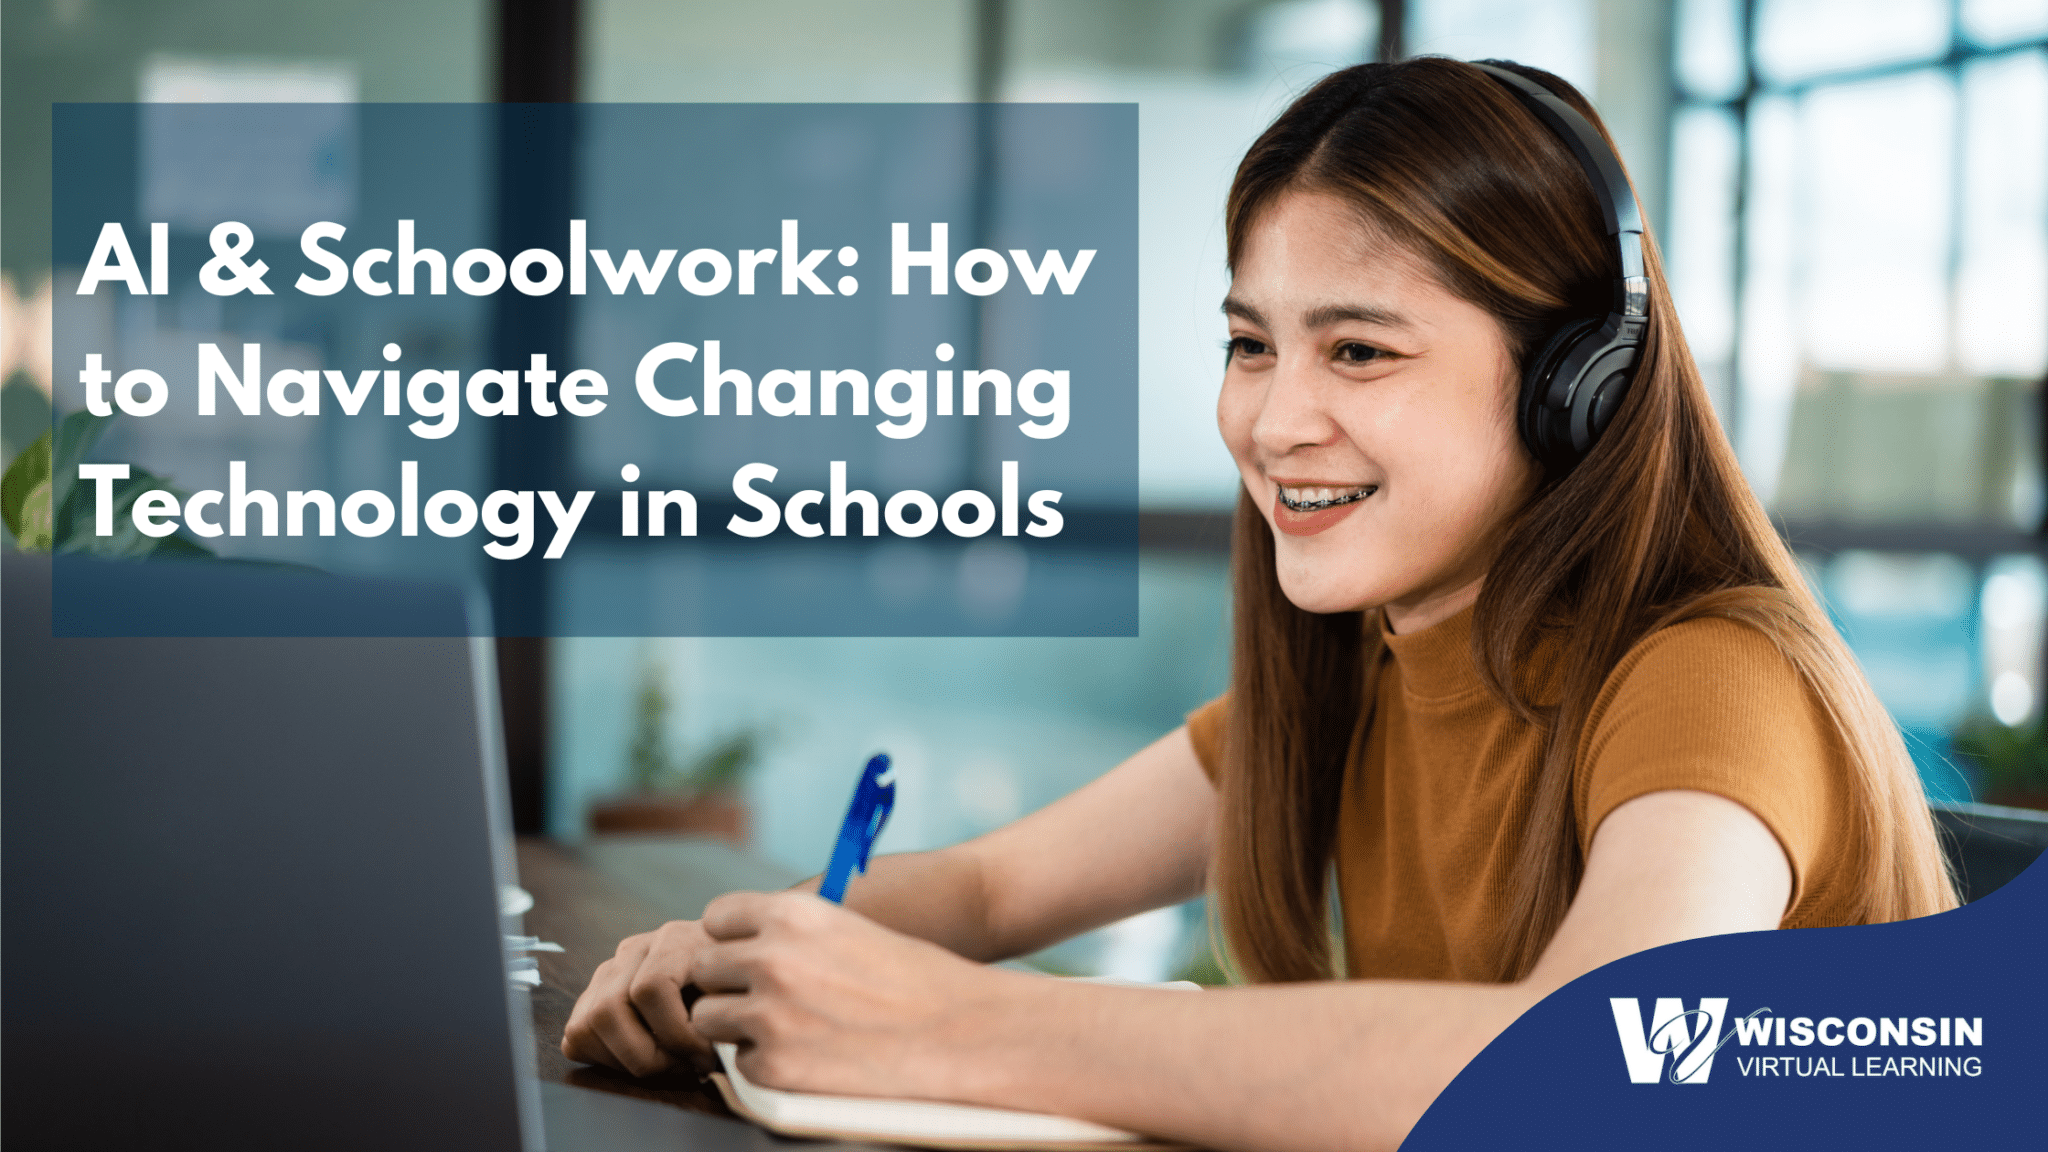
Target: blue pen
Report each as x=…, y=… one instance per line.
x=873, y=798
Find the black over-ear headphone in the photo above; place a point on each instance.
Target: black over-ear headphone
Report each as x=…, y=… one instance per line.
x=1575, y=382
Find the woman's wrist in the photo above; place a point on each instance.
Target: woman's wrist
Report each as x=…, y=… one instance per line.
x=986, y=1050
x=933, y=895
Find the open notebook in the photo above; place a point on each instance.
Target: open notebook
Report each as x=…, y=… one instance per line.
x=918, y=1123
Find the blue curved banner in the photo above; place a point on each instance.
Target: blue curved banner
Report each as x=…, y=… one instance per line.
x=1930, y=1033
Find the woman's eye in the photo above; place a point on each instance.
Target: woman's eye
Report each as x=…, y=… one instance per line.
x=1244, y=346
x=1352, y=352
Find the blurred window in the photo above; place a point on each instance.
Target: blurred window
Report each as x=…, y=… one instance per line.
x=819, y=50
x=1858, y=248
x=1873, y=168
x=1864, y=222
x=1709, y=56
x=1801, y=39
x=1992, y=23
x=2002, y=285
x=1706, y=144
x=1555, y=35
x=1319, y=34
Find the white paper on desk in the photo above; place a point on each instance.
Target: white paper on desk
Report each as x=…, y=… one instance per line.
x=855, y=1116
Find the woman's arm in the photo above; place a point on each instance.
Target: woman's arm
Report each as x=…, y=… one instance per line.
x=1136, y=838
x=832, y=1003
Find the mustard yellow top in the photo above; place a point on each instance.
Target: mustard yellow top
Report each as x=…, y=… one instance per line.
x=1432, y=809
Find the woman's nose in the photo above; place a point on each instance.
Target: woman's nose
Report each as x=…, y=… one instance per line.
x=1295, y=413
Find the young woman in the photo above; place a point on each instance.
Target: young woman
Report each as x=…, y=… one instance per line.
x=1533, y=711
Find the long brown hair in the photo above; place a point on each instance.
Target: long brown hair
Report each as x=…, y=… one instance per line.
x=1655, y=526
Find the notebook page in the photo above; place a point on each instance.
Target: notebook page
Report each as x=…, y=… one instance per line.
x=909, y=1119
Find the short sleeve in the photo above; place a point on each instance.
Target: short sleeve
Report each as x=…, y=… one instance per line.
x=1205, y=731
x=1713, y=705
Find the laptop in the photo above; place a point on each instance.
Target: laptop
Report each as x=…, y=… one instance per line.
x=251, y=884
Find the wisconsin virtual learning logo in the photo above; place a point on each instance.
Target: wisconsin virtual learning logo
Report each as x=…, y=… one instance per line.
x=1691, y=1037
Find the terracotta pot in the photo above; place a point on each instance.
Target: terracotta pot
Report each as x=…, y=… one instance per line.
x=2018, y=797
x=721, y=814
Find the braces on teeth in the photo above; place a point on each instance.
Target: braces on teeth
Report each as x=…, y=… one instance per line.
x=1319, y=505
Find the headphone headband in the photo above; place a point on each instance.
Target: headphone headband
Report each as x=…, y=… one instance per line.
x=1610, y=185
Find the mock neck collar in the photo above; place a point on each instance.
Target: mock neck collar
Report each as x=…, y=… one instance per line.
x=1436, y=661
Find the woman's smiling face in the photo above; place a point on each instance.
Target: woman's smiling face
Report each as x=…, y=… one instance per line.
x=1371, y=415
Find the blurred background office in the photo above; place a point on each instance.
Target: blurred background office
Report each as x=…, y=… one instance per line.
x=1852, y=196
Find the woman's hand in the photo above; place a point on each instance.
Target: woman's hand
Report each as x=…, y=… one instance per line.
x=632, y=1015
x=1072, y=866
x=822, y=999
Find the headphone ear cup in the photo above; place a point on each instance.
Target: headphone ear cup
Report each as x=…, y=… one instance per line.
x=1545, y=419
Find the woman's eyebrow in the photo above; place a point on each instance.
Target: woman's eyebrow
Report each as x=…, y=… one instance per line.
x=1324, y=316
x=1232, y=306
x=1330, y=314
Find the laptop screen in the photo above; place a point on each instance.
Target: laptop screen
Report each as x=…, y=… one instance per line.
x=250, y=884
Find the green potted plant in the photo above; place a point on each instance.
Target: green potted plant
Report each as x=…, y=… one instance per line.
x=46, y=509
x=2012, y=763
x=695, y=795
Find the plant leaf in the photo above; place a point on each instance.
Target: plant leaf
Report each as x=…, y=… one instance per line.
x=34, y=535
x=181, y=548
x=724, y=762
x=75, y=436
x=24, y=474
x=48, y=510
x=74, y=522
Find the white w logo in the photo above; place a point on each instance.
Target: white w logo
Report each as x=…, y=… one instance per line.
x=1671, y=1034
